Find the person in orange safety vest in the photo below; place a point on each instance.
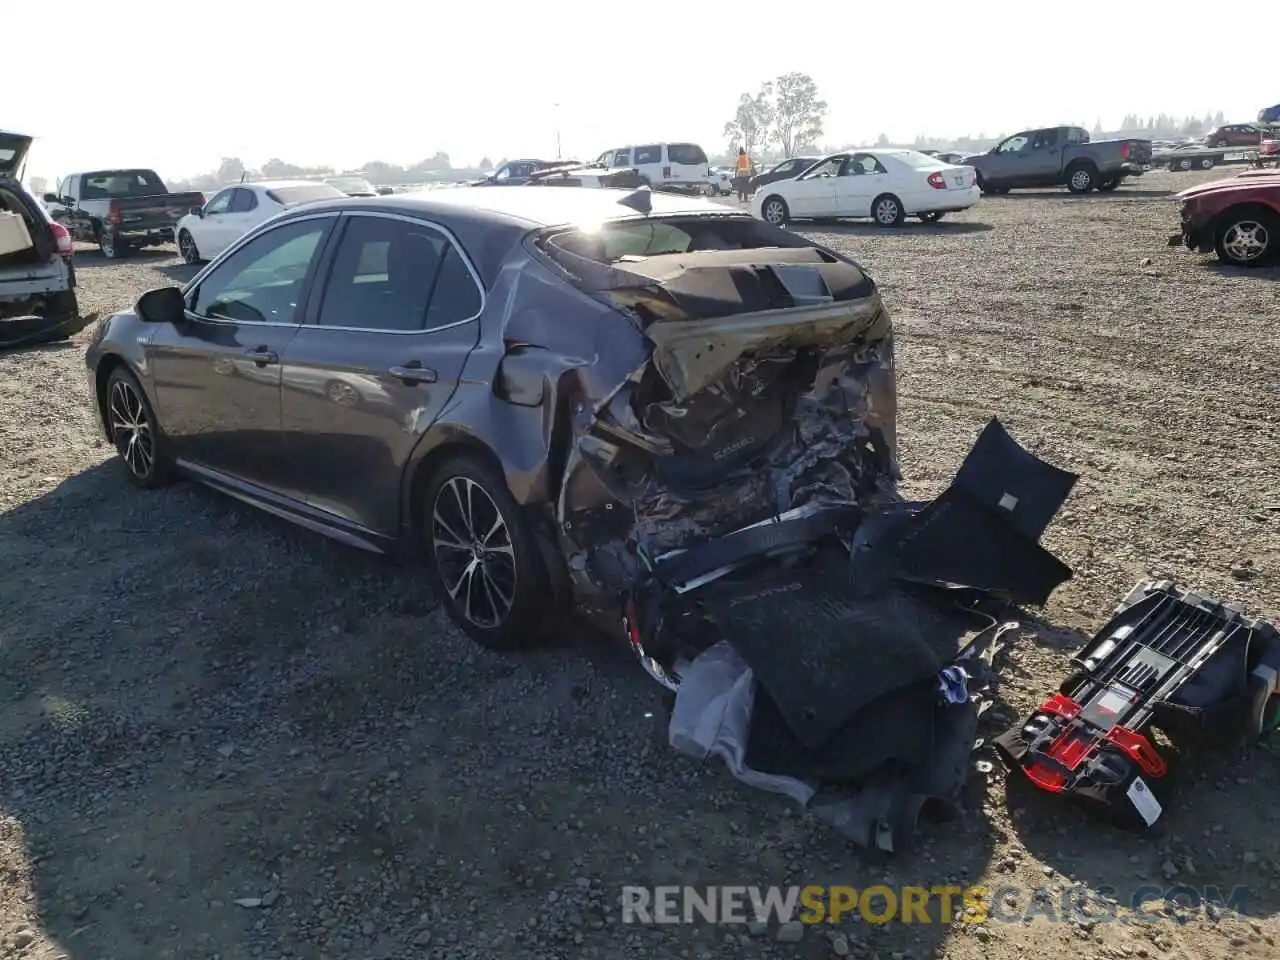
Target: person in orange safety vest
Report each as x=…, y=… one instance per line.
x=742, y=173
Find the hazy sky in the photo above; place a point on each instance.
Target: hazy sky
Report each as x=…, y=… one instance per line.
x=176, y=86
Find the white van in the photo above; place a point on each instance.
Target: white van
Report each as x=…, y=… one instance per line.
x=682, y=165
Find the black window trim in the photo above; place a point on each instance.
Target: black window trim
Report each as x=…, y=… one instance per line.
x=248, y=193
x=312, y=307
x=266, y=228
x=230, y=194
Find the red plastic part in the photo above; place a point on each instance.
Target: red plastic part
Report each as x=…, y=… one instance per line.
x=1140, y=750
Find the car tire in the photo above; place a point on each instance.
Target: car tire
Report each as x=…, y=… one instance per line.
x=1207, y=163
x=1248, y=237
x=187, y=247
x=136, y=432
x=774, y=211
x=111, y=246
x=1081, y=177
x=931, y=217
x=886, y=211
x=1184, y=163
x=467, y=497
x=1221, y=143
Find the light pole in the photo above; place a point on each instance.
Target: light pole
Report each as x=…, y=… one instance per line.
x=557, y=116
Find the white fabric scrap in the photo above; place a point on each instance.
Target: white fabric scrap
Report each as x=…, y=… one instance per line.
x=712, y=717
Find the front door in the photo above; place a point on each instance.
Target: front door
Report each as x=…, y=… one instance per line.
x=1006, y=163
x=213, y=234
x=216, y=375
x=814, y=194
x=380, y=356
x=1044, y=159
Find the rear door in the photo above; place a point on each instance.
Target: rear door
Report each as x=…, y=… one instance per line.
x=688, y=162
x=1042, y=164
x=374, y=366
x=216, y=375
x=862, y=180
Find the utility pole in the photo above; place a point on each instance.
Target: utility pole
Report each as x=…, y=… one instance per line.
x=557, y=108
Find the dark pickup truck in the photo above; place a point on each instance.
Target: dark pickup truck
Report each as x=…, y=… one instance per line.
x=1053, y=156
x=119, y=210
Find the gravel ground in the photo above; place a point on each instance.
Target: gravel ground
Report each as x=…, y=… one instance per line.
x=202, y=705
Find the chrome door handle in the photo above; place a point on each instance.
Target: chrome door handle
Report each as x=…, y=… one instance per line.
x=262, y=356
x=414, y=372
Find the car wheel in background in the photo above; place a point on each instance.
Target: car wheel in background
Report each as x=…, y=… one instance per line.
x=774, y=211
x=1184, y=163
x=1248, y=237
x=1108, y=184
x=1081, y=178
x=112, y=247
x=887, y=211
x=1206, y=163
x=1221, y=143
x=138, y=438
x=485, y=563
x=187, y=247
x=930, y=217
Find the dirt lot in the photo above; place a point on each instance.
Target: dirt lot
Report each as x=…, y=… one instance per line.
x=201, y=704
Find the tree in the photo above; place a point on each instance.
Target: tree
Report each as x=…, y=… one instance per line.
x=751, y=122
x=798, y=112
x=486, y=163
x=1097, y=128
x=277, y=169
x=230, y=170
x=883, y=140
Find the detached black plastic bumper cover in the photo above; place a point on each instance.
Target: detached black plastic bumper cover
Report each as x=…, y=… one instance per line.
x=983, y=532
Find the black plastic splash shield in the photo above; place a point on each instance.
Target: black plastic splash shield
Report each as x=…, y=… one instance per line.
x=982, y=532
x=823, y=656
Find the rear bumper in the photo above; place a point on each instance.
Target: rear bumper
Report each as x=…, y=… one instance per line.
x=1134, y=169
x=949, y=201
x=148, y=234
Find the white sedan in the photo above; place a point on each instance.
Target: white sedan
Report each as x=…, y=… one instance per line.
x=206, y=231
x=886, y=185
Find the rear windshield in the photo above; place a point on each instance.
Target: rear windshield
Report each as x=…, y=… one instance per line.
x=686, y=153
x=288, y=196
x=611, y=242
x=914, y=158
x=353, y=184
x=106, y=184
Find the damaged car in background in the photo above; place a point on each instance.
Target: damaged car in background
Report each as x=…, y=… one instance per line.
x=37, y=275
x=653, y=409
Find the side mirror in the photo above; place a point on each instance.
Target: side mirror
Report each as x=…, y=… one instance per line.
x=51, y=198
x=162, y=305
x=197, y=211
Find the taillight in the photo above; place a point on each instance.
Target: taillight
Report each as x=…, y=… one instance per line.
x=113, y=212
x=936, y=181
x=62, y=237
x=1124, y=151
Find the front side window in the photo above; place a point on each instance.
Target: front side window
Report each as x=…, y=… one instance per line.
x=828, y=168
x=263, y=281
x=1015, y=144
x=397, y=276
x=219, y=204
x=622, y=158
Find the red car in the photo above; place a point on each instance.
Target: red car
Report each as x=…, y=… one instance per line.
x=1233, y=135
x=1238, y=218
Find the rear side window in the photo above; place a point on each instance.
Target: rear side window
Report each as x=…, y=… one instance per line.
x=689, y=153
x=397, y=276
x=650, y=154
x=109, y=184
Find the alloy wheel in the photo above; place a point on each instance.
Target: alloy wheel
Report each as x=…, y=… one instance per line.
x=474, y=552
x=187, y=247
x=1246, y=240
x=887, y=212
x=1081, y=179
x=774, y=212
x=131, y=430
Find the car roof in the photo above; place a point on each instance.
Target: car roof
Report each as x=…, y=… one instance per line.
x=276, y=184
x=531, y=206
